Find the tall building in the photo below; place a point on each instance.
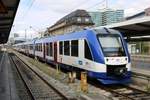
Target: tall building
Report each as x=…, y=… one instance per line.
x=96, y=18
x=74, y=21
x=112, y=16
x=107, y=16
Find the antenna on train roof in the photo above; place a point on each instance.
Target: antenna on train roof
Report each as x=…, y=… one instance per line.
x=85, y=28
x=106, y=29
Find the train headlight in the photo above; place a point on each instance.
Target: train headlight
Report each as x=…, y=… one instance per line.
x=120, y=71
x=107, y=59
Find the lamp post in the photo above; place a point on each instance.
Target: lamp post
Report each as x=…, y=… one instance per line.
x=31, y=27
x=25, y=34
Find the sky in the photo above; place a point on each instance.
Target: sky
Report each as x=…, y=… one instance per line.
x=37, y=15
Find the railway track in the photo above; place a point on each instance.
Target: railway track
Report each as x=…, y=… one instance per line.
x=36, y=86
x=124, y=92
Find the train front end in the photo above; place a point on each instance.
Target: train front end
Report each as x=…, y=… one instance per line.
x=116, y=58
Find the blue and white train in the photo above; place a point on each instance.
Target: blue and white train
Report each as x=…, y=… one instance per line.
x=103, y=53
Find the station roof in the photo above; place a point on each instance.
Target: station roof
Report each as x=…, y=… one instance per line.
x=8, y=10
x=138, y=27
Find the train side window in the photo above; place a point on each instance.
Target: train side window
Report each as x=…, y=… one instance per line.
x=30, y=46
x=47, y=49
x=61, y=47
x=66, y=48
x=74, y=48
x=41, y=47
x=51, y=49
x=87, y=52
x=36, y=47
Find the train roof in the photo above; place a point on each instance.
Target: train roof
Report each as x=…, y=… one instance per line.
x=72, y=36
x=77, y=35
x=30, y=42
x=104, y=30
x=27, y=42
x=69, y=36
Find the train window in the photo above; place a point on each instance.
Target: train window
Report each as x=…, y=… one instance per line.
x=30, y=46
x=87, y=53
x=74, y=48
x=37, y=47
x=61, y=47
x=41, y=47
x=51, y=49
x=46, y=48
x=66, y=48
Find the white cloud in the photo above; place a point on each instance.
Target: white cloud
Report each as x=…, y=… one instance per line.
x=44, y=13
x=29, y=34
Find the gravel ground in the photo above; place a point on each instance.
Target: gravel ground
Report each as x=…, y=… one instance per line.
x=20, y=87
x=93, y=92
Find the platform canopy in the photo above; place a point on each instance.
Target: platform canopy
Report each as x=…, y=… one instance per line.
x=8, y=10
x=137, y=29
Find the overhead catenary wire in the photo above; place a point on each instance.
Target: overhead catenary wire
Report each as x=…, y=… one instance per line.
x=28, y=9
x=95, y=4
x=81, y=4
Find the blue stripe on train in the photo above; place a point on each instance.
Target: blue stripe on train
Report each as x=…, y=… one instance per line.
x=102, y=77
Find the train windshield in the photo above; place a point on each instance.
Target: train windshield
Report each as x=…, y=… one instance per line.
x=111, y=45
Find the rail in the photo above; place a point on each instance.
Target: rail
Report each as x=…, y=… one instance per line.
x=16, y=59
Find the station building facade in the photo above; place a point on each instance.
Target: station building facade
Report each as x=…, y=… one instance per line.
x=140, y=47
x=74, y=21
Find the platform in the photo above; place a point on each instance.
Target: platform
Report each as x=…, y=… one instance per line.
x=8, y=87
x=141, y=71
x=141, y=64
x=7, y=84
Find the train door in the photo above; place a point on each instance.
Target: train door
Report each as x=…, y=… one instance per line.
x=44, y=50
x=55, y=52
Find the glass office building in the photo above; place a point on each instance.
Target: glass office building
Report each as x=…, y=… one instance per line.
x=107, y=17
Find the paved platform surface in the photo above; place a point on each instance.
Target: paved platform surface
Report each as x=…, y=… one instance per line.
x=141, y=71
x=141, y=64
x=141, y=61
x=8, y=90
x=7, y=84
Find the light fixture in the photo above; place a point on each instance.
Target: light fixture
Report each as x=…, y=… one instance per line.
x=3, y=8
